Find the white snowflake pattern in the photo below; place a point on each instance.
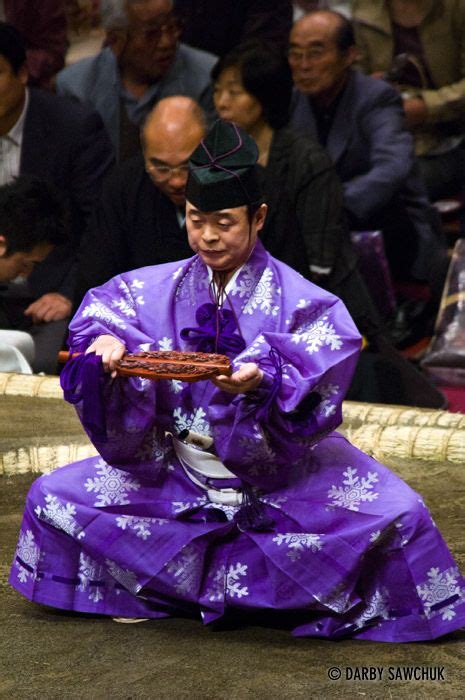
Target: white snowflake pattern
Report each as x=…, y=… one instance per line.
x=181, y=506
x=60, y=516
x=196, y=421
x=140, y=526
x=355, y=491
x=125, y=577
x=375, y=535
x=91, y=578
x=127, y=303
x=439, y=588
x=254, y=349
x=124, y=306
x=165, y=343
x=303, y=304
x=176, y=386
x=257, y=451
x=234, y=585
x=144, y=383
x=244, y=283
x=101, y=312
x=327, y=407
x=215, y=592
x=229, y=511
x=186, y=569
x=29, y=553
x=263, y=293
x=297, y=542
x=112, y=485
x=317, y=334
x=376, y=607
x=137, y=284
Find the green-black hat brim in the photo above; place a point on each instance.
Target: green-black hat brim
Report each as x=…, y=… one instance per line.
x=227, y=193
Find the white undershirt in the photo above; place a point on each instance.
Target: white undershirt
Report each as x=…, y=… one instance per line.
x=231, y=284
x=10, y=148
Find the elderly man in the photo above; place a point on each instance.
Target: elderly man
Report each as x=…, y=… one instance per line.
x=140, y=219
x=141, y=63
x=360, y=122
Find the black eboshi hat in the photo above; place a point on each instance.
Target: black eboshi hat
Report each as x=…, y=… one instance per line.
x=223, y=171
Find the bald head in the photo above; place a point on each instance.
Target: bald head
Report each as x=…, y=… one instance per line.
x=321, y=52
x=173, y=116
x=171, y=132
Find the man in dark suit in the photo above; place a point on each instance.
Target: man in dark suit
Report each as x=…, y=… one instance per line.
x=55, y=139
x=140, y=219
x=360, y=122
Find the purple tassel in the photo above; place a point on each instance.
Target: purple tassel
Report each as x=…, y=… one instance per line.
x=252, y=514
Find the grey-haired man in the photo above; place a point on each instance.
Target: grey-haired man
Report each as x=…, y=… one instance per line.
x=141, y=63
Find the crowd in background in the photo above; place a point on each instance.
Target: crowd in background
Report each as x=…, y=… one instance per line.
x=357, y=109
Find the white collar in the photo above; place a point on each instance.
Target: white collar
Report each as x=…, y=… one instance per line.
x=16, y=132
x=232, y=282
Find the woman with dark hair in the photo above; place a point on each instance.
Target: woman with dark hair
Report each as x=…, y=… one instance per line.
x=305, y=225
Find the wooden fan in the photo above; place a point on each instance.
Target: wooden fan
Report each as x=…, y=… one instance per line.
x=168, y=364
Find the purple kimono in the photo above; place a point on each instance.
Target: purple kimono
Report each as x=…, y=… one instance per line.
x=343, y=543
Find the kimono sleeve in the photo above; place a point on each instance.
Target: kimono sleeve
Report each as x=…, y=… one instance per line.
x=129, y=434
x=110, y=309
x=261, y=435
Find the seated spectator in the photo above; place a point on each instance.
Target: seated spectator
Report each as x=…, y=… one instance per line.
x=419, y=46
x=219, y=25
x=53, y=138
x=33, y=220
x=42, y=24
x=360, y=122
x=305, y=225
x=140, y=220
x=141, y=63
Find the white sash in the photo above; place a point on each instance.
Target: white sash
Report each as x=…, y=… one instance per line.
x=209, y=466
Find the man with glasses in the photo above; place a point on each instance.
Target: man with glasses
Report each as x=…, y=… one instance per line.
x=142, y=62
x=360, y=122
x=140, y=220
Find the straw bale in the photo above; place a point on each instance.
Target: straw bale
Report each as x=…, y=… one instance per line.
x=40, y=435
